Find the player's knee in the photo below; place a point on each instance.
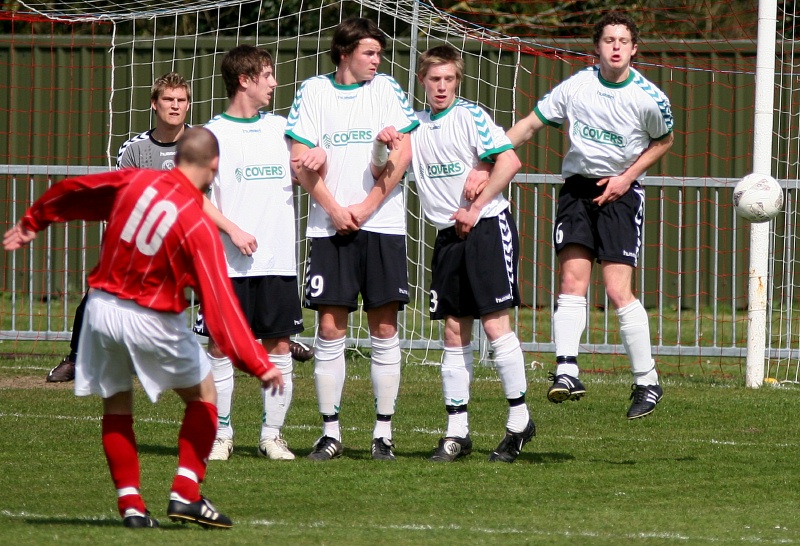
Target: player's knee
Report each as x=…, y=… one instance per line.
x=497, y=325
x=208, y=390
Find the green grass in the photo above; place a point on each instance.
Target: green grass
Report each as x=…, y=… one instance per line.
x=715, y=464
x=705, y=327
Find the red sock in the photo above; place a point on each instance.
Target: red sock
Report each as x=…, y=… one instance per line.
x=198, y=430
x=119, y=444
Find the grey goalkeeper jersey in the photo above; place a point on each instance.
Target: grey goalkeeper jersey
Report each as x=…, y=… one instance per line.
x=144, y=152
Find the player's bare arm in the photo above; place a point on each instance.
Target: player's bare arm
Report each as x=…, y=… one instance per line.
x=396, y=166
x=312, y=159
x=17, y=237
x=617, y=186
x=477, y=180
x=245, y=242
x=506, y=166
x=524, y=129
x=312, y=181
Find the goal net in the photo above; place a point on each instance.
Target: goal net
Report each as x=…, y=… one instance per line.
x=693, y=274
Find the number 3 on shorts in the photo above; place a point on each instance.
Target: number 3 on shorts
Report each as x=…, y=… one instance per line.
x=434, y=301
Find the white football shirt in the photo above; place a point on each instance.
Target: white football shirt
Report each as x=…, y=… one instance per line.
x=344, y=120
x=445, y=147
x=610, y=124
x=253, y=189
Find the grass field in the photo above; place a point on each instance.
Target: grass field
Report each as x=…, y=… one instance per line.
x=716, y=464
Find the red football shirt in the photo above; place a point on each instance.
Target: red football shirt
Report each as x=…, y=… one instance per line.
x=157, y=242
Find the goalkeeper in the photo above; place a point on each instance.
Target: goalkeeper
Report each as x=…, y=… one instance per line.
x=170, y=100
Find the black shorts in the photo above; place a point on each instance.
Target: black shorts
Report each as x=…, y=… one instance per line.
x=612, y=232
x=477, y=275
x=270, y=305
x=342, y=266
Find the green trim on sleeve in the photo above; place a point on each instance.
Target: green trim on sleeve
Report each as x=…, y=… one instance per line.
x=293, y=136
x=490, y=155
x=544, y=119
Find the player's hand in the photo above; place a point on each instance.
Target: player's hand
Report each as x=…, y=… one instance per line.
x=360, y=213
x=17, y=237
x=615, y=187
x=312, y=159
x=272, y=380
x=245, y=242
x=343, y=221
x=477, y=180
x=391, y=137
x=465, y=218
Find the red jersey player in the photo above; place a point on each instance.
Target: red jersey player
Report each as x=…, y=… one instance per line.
x=157, y=243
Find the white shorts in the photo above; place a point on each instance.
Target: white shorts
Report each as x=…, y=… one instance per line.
x=120, y=338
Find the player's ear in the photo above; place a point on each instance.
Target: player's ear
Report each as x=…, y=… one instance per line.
x=153, y=105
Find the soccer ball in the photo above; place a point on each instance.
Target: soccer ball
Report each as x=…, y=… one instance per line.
x=758, y=197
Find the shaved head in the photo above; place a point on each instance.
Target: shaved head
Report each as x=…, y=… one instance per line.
x=198, y=147
x=197, y=156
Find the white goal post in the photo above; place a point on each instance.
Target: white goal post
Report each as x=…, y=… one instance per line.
x=760, y=280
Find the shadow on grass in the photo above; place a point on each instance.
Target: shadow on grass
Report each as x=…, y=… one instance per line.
x=358, y=454
x=164, y=524
x=164, y=450
x=81, y=522
x=479, y=455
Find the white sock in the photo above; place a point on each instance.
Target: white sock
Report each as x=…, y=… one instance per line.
x=385, y=373
x=222, y=370
x=510, y=365
x=634, y=329
x=457, y=425
x=382, y=429
x=569, y=322
x=567, y=368
x=456, y=375
x=329, y=372
x=277, y=405
x=332, y=429
x=518, y=417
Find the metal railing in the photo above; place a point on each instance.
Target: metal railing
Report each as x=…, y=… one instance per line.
x=692, y=274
